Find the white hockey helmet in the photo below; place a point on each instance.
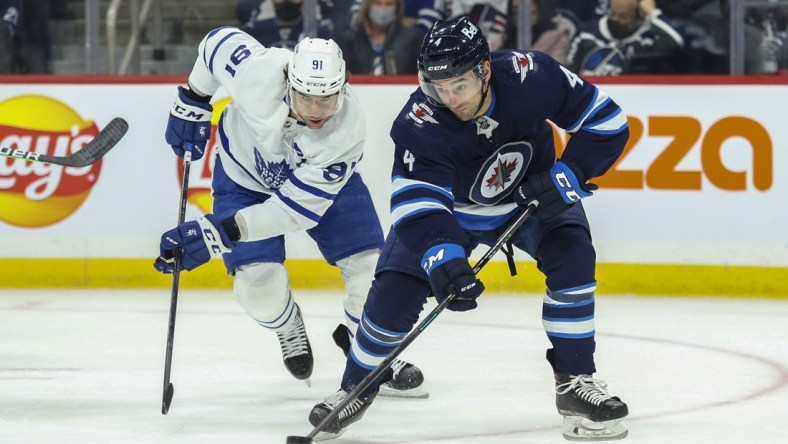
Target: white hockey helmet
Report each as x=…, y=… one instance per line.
x=317, y=69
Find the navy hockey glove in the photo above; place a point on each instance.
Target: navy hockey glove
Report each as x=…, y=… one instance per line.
x=449, y=271
x=199, y=240
x=556, y=189
x=190, y=122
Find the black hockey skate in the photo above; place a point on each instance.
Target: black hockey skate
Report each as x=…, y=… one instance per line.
x=349, y=414
x=296, y=351
x=403, y=379
x=590, y=412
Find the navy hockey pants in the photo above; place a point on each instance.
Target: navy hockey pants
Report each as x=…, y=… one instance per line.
x=564, y=253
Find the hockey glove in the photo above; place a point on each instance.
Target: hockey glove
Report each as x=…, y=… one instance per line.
x=556, y=189
x=190, y=122
x=199, y=240
x=449, y=272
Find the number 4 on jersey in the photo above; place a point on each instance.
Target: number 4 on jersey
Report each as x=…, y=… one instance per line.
x=409, y=159
x=572, y=77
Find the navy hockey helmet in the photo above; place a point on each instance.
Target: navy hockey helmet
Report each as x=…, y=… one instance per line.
x=451, y=48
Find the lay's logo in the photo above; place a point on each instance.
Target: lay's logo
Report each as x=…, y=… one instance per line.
x=34, y=194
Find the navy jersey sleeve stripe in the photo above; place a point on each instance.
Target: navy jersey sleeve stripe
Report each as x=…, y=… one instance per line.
x=310, y=189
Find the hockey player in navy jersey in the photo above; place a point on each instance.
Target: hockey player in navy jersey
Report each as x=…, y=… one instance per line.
x=288, y=146
x=472, y=145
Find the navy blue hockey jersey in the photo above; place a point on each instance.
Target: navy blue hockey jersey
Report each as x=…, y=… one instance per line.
x=450, y=175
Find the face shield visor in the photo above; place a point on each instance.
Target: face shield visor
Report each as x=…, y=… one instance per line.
x=312, y=107
x=454, y=90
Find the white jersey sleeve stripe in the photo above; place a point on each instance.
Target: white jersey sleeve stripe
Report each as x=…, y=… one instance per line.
x=613, y=124
x=400, y=184
x=406, y=210
x=599, y=101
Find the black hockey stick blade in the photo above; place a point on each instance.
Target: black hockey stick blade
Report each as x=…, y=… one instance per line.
x=504, y=237
x=104, y=141
x=167, y=399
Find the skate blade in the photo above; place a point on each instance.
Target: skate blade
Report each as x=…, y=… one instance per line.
x=325, y=436
x=576, y=428
x=416, y=392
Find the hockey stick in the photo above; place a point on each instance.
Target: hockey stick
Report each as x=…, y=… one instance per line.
x=104, y=141
x=383, y=366
x=169, y=390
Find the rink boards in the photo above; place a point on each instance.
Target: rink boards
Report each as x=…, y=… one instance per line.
x=695, y=206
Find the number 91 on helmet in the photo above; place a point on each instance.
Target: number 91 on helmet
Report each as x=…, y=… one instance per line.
x=316, y=81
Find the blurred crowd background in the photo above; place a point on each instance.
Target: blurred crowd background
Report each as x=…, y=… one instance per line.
x=383, y=37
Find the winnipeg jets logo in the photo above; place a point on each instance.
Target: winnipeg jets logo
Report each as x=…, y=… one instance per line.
x=421, y=113
x=485, y=125
x=522, y=64
x=273, y=174
x=502, y=173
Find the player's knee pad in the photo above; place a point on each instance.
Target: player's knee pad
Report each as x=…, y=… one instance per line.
x=357, y=271
x=263, y=290
x=567, y=257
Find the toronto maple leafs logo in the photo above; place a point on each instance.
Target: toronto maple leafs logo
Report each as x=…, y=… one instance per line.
x=522, y=64
x=274, y=174
x=422, y=113
x=501, y=172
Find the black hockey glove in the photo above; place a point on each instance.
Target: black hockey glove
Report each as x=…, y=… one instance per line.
x=449, y=271
x=556, y=189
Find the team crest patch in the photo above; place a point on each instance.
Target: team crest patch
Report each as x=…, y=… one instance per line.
x=522, y=64
x=501, y=172
x=422, y=113
x=274, y=174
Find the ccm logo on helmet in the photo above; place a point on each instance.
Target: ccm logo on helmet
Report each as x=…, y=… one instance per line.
x=470, y=31
x=316, y=84
x=437, y=68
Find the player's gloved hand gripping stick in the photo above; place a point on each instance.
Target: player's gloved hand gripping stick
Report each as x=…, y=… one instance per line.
x=361, y=386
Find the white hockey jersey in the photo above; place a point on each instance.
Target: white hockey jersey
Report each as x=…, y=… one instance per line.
x=262, y=148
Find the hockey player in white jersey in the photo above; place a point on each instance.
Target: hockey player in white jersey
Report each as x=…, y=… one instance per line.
x=288, y=146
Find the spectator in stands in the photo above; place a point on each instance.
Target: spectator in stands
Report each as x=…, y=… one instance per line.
x=286, y=28
x=33, y=44
x=379, y=43
x=550, y=32
x=710, y=50
x=9, y=14
x=632, y=38
x=421, y=14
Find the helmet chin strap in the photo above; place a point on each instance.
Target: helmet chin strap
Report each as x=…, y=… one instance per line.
x=481, y=102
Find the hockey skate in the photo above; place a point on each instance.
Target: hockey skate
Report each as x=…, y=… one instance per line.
x=402, y=380
x=590, y=412
x=349, y=414
x=296, y=351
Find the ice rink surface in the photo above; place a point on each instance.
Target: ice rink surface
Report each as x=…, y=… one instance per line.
x=86, y=366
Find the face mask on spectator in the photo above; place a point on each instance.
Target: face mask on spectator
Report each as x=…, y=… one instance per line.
x=287, y=11
x=622, y=30
x=382, y=16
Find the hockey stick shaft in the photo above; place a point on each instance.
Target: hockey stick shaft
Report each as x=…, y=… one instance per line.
x=410, y=337
x=169, y=389
x=104, y=141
